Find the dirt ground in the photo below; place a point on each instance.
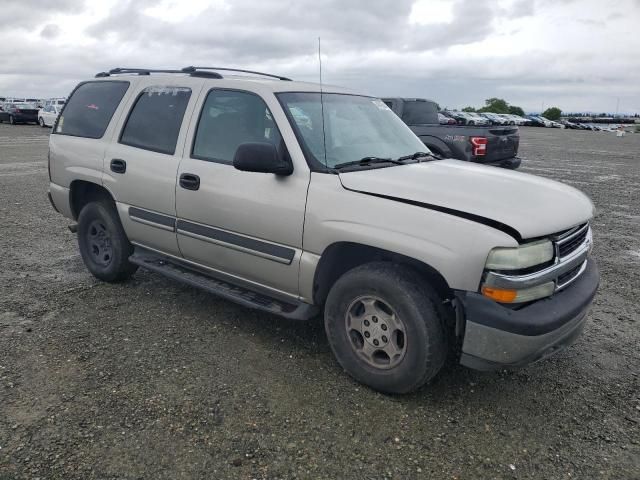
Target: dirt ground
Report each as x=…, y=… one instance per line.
x=155, y=380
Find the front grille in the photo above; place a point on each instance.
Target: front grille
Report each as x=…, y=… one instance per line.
x=571, y=242
x=568, y=276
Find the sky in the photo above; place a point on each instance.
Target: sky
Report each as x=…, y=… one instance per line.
x=578, y=55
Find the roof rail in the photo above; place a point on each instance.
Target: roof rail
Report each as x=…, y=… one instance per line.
x=239, y=70
x=148, y=71
x=193, y=71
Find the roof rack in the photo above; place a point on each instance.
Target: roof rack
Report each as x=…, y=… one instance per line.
x=225, y=69
x=149, y=71
x=193, y=71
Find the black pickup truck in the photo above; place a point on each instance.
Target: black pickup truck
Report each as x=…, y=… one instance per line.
x=492, y=145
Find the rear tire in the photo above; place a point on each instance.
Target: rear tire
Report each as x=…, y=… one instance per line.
x=41, y=122
x=385, y=326
x=12, y=121
x=104, y=245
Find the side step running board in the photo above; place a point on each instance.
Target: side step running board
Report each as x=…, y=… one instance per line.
x=183, y=273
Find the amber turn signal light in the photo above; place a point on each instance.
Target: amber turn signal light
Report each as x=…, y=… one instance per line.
x=499, y=295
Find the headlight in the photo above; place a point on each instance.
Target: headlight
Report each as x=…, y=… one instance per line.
x=524, y=256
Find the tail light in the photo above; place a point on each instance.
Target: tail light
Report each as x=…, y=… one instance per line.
x=17, y=110
x=479, y=146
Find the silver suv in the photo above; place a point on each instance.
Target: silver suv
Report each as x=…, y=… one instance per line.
x=295, y=200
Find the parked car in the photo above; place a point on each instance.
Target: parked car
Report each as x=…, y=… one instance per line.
x=494, y=118
x=48, y=115
x=18, y=113
x=536, y=121
x=496, y=146
x=570, y=125
x=445, y=119
x=337, y=209
x=518, y=120
x=461, y=117
x=507, y=119
x=479, y=119
x=468, y=118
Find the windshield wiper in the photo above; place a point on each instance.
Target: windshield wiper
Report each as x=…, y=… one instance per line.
x=417, y=155
x=363, y=162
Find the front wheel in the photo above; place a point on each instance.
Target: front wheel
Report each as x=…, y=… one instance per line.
x=385, y=326
x=12, y=121
x=104, y=245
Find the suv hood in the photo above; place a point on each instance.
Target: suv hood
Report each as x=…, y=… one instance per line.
x=532, y=205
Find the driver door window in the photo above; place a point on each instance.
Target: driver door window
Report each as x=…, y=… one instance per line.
x=230, y=118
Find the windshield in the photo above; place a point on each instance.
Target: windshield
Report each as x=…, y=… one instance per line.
x=24, y=105
x=355, y=127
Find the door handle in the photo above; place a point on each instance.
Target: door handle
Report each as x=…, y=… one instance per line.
x=118, y=165
x=190, y=181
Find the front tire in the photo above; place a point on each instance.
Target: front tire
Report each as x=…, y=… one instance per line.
x=104, y=246
x=385, y=326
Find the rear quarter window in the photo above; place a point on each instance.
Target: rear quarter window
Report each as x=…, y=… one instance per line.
x=420, y=113
x=90, y=108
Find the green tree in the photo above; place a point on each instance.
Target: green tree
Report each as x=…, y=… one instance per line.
x=495, y=105
x=513, y=110
x=468, y=109
x=552, y=113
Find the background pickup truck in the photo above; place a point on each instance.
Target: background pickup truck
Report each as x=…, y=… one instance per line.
x=494, y=145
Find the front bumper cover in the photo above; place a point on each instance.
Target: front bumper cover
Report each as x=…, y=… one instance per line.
x=499, y=337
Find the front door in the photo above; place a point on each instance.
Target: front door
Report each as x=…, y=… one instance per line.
x=244, y=224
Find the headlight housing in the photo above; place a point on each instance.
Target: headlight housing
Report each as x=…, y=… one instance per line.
x=518, y=258
x=513, y=259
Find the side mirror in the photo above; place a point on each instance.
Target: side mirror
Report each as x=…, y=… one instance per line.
x=261, y=157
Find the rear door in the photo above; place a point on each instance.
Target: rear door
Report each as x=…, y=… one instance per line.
x=142, y=159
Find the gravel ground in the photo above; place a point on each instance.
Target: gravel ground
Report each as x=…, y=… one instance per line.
x=152, y=379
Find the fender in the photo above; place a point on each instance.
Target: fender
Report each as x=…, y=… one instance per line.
x=434, y=143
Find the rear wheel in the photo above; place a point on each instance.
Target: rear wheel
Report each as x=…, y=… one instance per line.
x=104, y=245
x=12, y=121
x=41, y=122
x=385, y=327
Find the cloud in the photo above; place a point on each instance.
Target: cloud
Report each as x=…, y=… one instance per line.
x=50, y=30
x=456, y=51
x=27, y=13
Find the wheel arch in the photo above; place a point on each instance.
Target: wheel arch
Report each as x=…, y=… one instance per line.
x=340, y=257
x=437, y=146
x=82, y=192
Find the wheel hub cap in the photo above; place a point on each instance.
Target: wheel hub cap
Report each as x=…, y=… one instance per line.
x=99, y=243
x=377, y=334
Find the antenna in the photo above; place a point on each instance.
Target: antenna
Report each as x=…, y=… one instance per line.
x=324, y=136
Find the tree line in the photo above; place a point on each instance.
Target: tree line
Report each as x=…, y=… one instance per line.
x=499, y=105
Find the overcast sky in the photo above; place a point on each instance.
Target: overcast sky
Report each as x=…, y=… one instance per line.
x=575, y=54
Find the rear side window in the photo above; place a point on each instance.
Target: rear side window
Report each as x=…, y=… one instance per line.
x=90, y=108
x=155, y=119
x=230, y=118
x=420, y=113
